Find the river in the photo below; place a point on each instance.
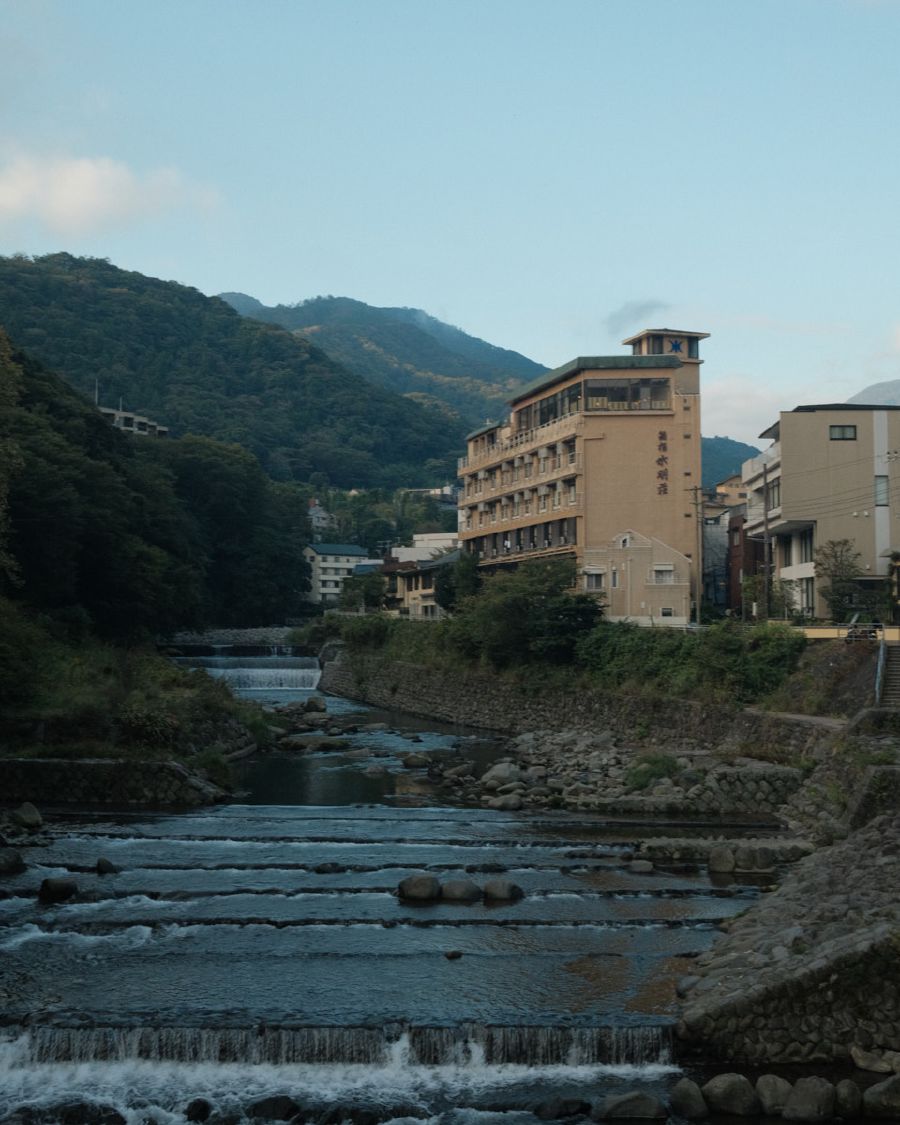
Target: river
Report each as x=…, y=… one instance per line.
x=258, y=949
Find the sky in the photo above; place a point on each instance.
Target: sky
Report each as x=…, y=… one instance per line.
x=549, y=175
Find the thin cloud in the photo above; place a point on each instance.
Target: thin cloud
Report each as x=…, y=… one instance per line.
x=85, y=195
x=634, y=315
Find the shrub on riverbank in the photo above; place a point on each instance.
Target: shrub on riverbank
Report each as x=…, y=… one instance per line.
x=527, y=624
x=94, y=699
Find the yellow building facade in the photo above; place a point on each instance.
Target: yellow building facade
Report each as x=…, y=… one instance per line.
x=598, y=461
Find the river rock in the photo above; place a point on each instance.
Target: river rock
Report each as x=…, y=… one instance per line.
x=419, y=888
x=416, y=761
x=278, y=1107
x=773, y=1091
x=635, y=1104
x=731, y=1093
x=83, y=1113
x=27, y=816
x=883, y=1099
x=687, y=1101
x=558, y=1108
x=460, y=890
x=509, y=802
x=315, y=703
x=502, y=890
x=812, y=1099
x=453, y=954
x=721, y=859
x=502, y=772
x=640, y=867
x=872, y=1061
x=11, y=862
x=197, y=1110
x=57, y=890
x=847, y=1098
x=106, y=867
x=329, y=867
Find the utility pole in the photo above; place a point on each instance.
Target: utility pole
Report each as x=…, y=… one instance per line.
x=766, y=543
x=698, y=562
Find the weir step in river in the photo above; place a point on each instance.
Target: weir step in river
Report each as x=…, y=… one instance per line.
x=261, y=948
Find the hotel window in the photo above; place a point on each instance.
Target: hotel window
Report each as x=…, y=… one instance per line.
x=615, y=579
x=595, y=582
x=663, y=575
x=773, y=494
x=882, y=492
x=656, y=345
x=693, y=348
x=807, y=550
x=667, y=611
x=807, y=596
x=842, y=433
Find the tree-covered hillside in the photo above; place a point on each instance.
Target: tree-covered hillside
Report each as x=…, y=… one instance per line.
x=193, y=364
x=129, y=536
x=405, y=350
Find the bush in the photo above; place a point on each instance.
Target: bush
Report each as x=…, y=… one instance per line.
x=649, y=768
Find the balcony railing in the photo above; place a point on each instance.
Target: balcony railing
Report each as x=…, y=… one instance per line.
x=553, y=431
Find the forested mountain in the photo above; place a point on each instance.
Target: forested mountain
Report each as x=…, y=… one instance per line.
x=722, y=457
x=405, y=350
x=128, y=536
x=192, y=363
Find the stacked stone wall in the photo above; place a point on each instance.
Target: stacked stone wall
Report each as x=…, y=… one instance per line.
x=484, y=700
x=102, y=781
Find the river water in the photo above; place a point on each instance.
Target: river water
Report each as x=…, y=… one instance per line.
x=258, y=949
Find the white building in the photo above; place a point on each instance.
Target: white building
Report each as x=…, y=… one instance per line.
x=330, y=564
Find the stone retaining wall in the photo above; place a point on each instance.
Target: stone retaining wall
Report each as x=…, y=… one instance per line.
x=103, y=781
x=483, y=700
x=813, y=970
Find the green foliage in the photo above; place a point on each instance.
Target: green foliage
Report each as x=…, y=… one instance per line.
x=649, y=768
x=192, y=363
x=133, y=536
x=838, y=569
x=725, y=661
x=363, y=591
x=460, y=580
x=524, y=616
x=369, y=632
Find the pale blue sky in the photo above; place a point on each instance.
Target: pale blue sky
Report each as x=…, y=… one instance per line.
x=550, y=175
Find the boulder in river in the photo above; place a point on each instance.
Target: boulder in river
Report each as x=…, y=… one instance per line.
x=315, y=703
x=27, y=816
x=278, y=1107
x=502, y=890
x=11, y=862
x=635, y=1104
x=812, y=1099
x=460, y=890
x=731, y=1093
x=772, y=1091
x=883, y=1099
x=57, y=890
x=687, y=1100
x=106, y=867
x=421, y=887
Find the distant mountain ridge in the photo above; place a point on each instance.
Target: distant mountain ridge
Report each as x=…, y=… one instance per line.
x=405, y=350
x=192, y=363
x=879, y=394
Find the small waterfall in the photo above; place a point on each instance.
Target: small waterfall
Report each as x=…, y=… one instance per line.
x=467, y=1045
x=274, y=670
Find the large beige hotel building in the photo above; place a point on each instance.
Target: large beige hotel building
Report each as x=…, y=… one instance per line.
x=599, y=461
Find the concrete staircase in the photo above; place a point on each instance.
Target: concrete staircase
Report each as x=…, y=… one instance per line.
x=890, y=695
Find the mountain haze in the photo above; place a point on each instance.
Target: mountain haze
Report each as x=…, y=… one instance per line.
x=879, y=394
x=193, y=364
x=405, y=350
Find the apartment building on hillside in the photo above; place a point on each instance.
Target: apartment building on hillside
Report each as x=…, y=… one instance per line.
x=330, y=564
x=830, y=473
x=598, y=461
